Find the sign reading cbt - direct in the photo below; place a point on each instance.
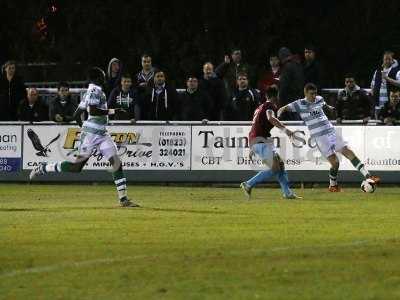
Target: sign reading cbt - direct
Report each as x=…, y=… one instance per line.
x=10, y=148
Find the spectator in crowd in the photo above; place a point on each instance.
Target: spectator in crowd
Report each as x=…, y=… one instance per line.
x=32, y=109
x=230, y=68
x=271, y=76
x=390, y=113
x=161, y=101
x=380, y=86
x=125, y=99
x=113, y=76
x=291, y=81
x=195, y=103
x=62, y=107
x=244, y=100
x=353, y=102
x=215, y=89
x=12, y=91
x=312, y=67
x=145, y=78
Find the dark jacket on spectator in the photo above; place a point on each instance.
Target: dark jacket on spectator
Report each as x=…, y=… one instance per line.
x=291, y=81
x=36, y=113
x=228, y=73
x=378, y=81
x=161, y=103
x=194, y=105
x=353, y=105
x=215, y=89
x=11, y=93
x=389, y=112
x=313, y=73
x=243, y=104
x=128, y=101
x=112, y=82
x=141, y=78
x=65, y=108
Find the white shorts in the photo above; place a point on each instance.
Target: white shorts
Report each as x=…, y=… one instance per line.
x=265, y=151
x=330, y=144
x=102, y=143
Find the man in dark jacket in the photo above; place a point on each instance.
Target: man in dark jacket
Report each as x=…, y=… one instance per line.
x=244, y=100
x=32, y=109
x=291, y=81
x=113, y=76
x=353, y=102
x=312, y=67
x=161, y=102
x=62, y=107
x=195, y=104
x=215, y=89
x=390, y=113
x=230, y=68
x=125, y=99
x=12, y=91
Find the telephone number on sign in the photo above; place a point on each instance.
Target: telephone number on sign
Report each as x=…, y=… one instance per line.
x=172, y=142
x=172, y=152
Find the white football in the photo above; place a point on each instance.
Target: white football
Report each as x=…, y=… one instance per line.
x=368, y=186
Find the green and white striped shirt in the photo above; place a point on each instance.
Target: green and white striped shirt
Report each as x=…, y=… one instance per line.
x=94, y=96
x=313, y=115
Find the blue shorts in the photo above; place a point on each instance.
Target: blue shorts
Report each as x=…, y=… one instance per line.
x=265, y=151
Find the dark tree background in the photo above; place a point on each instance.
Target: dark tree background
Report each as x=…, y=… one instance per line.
x=349, y=35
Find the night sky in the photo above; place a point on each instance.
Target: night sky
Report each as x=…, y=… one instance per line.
x=350, y=35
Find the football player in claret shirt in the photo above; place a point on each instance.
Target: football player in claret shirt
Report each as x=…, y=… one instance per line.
x=262, y=145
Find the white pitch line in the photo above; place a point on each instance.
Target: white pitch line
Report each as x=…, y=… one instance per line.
x=78, y=264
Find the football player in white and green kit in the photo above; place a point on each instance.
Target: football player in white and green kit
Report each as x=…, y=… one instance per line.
x=93, y=136
x=310, y=109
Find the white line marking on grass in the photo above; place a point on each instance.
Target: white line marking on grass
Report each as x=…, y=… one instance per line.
x=78, y=264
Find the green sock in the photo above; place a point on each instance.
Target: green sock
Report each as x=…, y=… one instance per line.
x=360, y=167
x=333, y=176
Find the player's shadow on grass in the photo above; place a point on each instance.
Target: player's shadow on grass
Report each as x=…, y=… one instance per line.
x=206, y=212
x=22, y=209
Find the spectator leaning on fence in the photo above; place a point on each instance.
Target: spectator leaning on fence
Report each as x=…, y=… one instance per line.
x=353, y=102
x=230, y=68
x=244, y=100
x=271, y=76
x=113, y=76
x=125, y=99
x=32, y=109
x=195, y=104
x=390, y=113
x=380, y=87
x=215, y=89
x=160, y=102
x=12, y=91
x=62, y=107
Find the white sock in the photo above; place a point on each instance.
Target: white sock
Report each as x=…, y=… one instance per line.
x=52, y=167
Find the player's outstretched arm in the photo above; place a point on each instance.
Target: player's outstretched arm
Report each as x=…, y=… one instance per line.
x=95, y=111
x=274, y=121
x=282, y=110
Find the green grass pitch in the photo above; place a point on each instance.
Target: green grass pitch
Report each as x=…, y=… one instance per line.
x=73, y=242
